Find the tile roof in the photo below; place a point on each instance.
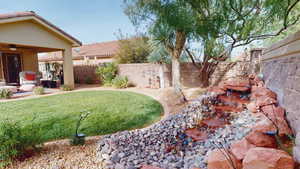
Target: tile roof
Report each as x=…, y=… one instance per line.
x=33, y=14
x=100, y=50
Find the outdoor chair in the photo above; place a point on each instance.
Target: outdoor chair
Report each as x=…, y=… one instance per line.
x=28, y=77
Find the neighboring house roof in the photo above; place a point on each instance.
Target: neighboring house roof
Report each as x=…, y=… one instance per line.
x=30, y=15
x=99, y=50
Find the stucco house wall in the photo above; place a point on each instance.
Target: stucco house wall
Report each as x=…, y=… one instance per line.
x=31, y=34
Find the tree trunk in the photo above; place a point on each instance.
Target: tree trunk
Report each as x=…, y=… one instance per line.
x=175, y=51
x=206, y=71
x=204, y=78
x=176, y=74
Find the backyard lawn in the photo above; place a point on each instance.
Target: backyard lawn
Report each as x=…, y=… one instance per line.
x=56, y=116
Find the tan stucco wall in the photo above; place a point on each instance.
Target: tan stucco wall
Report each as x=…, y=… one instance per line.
x=31, y=34
x=30, y=61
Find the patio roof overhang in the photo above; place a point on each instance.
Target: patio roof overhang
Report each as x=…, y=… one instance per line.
x=24, y=16
x=31, y=33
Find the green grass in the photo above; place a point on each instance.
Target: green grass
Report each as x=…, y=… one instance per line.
x=56, y=115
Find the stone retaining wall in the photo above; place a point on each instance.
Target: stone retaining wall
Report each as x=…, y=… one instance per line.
x=281, y=70
x=230, y=70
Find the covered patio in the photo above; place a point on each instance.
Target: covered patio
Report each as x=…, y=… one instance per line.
x=22, y=36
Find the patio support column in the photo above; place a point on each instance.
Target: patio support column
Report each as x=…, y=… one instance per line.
x=68, y=67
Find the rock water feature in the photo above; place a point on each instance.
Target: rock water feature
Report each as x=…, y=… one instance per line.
x=196, y=137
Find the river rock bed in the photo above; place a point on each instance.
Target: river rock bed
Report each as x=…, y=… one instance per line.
x=165, y=145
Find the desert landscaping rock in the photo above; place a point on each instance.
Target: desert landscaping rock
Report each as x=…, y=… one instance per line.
x=240, y=148
x=165, y=145
x=219, y=159
x=267, y=158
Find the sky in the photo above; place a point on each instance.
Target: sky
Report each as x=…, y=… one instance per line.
x=89, y=21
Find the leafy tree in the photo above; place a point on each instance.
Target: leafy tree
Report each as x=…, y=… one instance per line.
x=169, y=22
x=223, y=25
x=133, y=49
x=159, y=53
x=218, y=26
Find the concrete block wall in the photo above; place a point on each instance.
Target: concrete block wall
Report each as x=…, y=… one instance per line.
x=281, y=70
x=159, y=75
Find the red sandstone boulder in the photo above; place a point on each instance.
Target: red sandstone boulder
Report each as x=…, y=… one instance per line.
x=196, y=134
x=260, y=139
x=264, y=101
x=267, y=158
x=227, y=108
x=255, y=81
x=269, y=111
x=264, y=126
x=262, y=91
x=216, y=90
x=214, y=122
x=237, y=85
x=252, y=107
x=240, y=148
x=277, y=115
x=217, y=159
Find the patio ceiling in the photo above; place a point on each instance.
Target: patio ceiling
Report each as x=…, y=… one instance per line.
x=15, y=47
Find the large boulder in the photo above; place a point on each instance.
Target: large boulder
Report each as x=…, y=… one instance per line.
x=267, y=158
x=255, y=80
x=218, y=159
x=277, y=115
x=260, y=139
x=236, y=85
x=262, y=91
x=265, y=125
x=252, y=107
x=216, y=90
x=264, y=101
x=240, y=148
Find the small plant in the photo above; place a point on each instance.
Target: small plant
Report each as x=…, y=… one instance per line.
x=5, y=94
x=79, y=138
x=15, y=140
x=66, y=88
x=120, y=82
x=107, y=72
x=39, y=90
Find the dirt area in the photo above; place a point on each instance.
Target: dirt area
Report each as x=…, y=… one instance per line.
x=60, y=155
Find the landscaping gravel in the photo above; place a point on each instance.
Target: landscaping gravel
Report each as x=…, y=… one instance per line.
x=165, y=145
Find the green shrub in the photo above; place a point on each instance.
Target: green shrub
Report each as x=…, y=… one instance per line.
x=120, y=82
x=107, y=72
x=15, y=140
x=66, y=88
x=5, y=94
x=88, y=80
x=39, y=90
